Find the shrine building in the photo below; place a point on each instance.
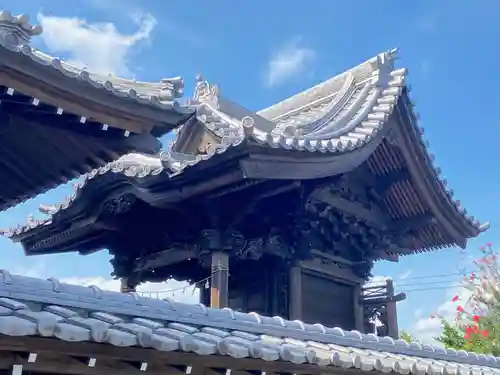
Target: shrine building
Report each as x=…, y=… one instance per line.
x=296, y=202
x=283, y=212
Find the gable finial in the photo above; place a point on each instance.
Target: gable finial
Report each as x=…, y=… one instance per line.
x=205, y=92
x=16, y=31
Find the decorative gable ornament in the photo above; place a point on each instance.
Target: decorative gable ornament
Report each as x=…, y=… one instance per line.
x=16, y=31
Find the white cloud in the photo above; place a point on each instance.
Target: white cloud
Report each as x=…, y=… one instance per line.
x=98, y=46
x=183, y=292
x=36, y=269
x=426, y=329
x=291, y=60
x=418, y=313
x=405, y=275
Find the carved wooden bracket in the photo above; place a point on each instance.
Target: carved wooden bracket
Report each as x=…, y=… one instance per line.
x=119, y=205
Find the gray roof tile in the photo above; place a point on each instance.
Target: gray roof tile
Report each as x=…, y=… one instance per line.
x=299, y=114
x=161, y=94
x=21, y=21
x=48, y=308
x=339, y=115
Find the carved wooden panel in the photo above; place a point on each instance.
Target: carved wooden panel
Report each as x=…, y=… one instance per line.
x=327, y=301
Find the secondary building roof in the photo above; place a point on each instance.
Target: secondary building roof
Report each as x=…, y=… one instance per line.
x=45, y=309
x=59, y=121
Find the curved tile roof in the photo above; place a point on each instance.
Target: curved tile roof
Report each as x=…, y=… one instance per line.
x=15, y=34
x=49, y=308
x=437, y=174
x=337, y=116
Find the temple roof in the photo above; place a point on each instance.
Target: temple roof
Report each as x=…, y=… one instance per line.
x=361, y=115
x=79, y=120
x=161, y=94
x=15, y=36
x=52, y=309
x=338, y=115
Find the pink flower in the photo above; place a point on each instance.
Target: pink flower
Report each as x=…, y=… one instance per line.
x=455, y=299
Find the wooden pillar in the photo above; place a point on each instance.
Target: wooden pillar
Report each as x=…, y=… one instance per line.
x=295, y=293
x=204, y=295
x=219, y=284
x=391, y=312
x=359, y=319
x=125, y=286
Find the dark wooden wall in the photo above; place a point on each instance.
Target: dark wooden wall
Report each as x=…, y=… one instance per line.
x=327, y=301
x=266, y=287
x=257, y=286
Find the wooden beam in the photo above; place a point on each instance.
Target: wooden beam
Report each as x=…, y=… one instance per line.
x=373, y=216
x=337, y=259
x=56, y=363
x=83, y=107
x=166, y=257
x=380, y=300
x=193, y=189
x=220, y=283
x=105, y=352
x=391, y=311
x=257, y=198
x=125, y=286
x=204, y=295
x=331, y=270
x=295, y=293
x=359, y=319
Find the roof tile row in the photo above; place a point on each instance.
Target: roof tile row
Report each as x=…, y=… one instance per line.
x=365, y=98
x=48, y=308
x=162, y=94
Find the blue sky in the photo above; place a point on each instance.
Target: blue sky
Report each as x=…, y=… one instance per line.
x=260, y=52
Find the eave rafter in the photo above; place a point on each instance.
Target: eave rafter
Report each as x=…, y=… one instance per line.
x=32, y=109
x=382, y=185
x=125, y=104
x=427, y=180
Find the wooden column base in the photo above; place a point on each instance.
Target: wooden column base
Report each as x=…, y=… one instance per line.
x=125, y=286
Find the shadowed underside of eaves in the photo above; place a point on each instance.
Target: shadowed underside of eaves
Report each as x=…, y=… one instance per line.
x=58, y=121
